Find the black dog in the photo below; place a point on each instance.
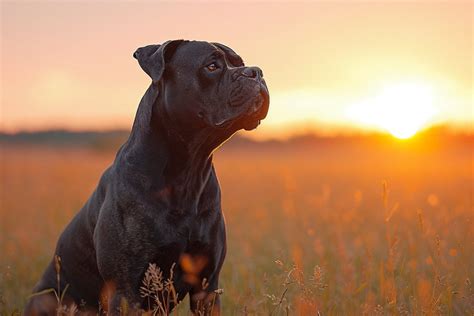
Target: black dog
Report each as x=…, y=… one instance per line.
x=160, y=199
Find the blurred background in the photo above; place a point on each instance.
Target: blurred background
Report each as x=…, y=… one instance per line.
x=360, y=179
x=330, y=66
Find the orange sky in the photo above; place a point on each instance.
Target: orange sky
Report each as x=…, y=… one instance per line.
x=70, y=65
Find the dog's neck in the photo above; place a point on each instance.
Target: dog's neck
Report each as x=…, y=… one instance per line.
x=172, y=167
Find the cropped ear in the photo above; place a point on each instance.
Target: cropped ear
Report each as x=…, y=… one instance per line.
x=232, y=56
x=152, y=58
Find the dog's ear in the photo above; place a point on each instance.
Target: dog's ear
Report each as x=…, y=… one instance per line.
x=152, y=58
x=232, y=56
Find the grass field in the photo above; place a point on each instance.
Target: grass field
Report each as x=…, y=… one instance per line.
x=339, y=230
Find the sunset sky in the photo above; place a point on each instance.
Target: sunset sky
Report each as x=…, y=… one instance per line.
x=330, y=66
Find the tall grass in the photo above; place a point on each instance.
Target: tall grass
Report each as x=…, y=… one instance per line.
x=334, y=232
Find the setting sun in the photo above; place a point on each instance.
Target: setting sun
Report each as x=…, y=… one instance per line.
x=401, y=109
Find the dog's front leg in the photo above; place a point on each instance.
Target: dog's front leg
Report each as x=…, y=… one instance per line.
x=120, y=294
x=207, y=304
x=123, y=302
x=122, y=262
x=205, y=301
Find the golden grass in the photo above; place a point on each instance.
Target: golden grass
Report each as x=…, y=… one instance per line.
x=333, y=231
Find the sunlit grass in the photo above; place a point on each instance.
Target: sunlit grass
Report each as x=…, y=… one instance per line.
x=330, y=230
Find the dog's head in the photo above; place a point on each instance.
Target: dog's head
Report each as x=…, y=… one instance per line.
x=205, y=86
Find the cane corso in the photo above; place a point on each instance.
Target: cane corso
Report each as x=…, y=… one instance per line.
x=159, y=201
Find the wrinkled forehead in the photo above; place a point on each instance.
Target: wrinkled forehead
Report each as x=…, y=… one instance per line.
x=196, y=53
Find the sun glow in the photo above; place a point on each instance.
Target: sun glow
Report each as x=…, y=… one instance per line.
x=401, y=109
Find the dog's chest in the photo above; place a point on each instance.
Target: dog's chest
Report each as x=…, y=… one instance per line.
x=186, y=235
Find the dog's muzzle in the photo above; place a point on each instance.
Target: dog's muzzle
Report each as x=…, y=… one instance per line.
x=249, y=97
x=260, y=101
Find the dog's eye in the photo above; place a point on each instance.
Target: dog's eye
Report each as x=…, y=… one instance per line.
x=212, y=67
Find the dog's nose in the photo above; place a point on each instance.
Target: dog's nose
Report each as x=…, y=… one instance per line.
x=252, y=72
